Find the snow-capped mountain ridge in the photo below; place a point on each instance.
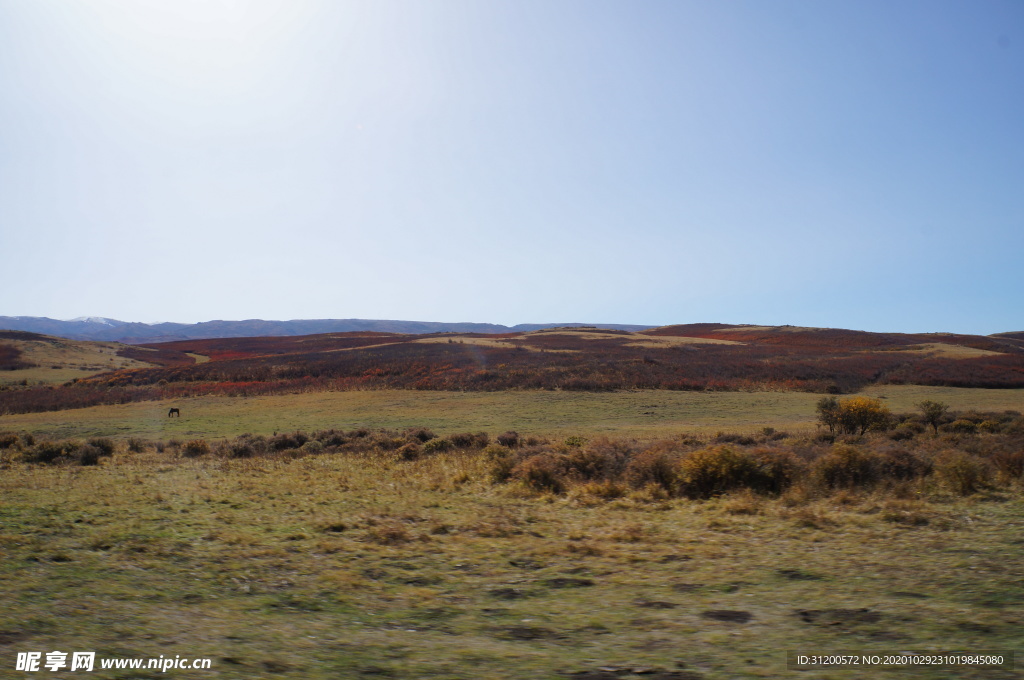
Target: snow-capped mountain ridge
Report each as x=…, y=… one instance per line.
x=98, y=319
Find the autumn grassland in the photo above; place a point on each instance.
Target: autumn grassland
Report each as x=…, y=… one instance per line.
x=573, y=505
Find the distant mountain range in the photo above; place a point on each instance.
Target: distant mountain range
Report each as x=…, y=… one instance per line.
x=101, y=328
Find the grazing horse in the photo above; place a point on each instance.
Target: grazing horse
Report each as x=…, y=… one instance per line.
x=174, y=412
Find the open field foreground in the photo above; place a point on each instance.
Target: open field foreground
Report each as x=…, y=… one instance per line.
x=351, y=566
x=634, y=413
x=402, y=553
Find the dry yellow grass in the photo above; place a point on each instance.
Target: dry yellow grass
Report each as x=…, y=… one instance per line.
x=60, y=360
x=467, y=340
x=338, y=566
x=672, y=340
x=944, y=349
x=633, y=340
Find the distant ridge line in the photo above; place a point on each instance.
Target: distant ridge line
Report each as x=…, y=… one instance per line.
x=112, y=330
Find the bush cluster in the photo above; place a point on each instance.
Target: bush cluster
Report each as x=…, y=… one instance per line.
x=961, y=459
x=48, y=452
x=962, y=453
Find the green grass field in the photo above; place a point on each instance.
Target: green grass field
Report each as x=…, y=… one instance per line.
x=353, y=567
x=642, y=414
x=367, y=566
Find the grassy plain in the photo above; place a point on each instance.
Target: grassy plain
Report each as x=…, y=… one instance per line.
x=640, y=413
x=357, y=566
x=350, y=567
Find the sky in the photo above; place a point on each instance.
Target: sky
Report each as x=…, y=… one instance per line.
x=813, y=163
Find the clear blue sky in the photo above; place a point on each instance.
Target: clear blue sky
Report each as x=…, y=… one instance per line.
x=853, y=164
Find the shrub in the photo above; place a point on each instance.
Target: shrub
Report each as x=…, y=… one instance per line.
x=136, y=445
x=257, y=442
x=410, y=450
x=732, y=438
x=90, y=455
x=332, y=438
x=312, y=447
x=911, y=425
x=1009, y=464
x=847, y=467
x=496, y=451
x=653, y=467
x=468, y=440
x=437, y=445
x=961, y=472
x=574, y=442
x=8, y=440
x=104, y=444
x=902, y=465
x=961, y=426
x=48, y=452
x=502, y=463
x=283, y=442
x=239, y=448
x=602, y=459
x=777, y=470
x=542, y=472
x=587, y=464
x=991, y=426
x=1015, y=427
x=712, y=472
x=902, y=433
x=195, y=448
x=509, y=439
x=386, y=442
x=421, y=434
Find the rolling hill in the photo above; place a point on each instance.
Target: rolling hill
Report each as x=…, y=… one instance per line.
x=706, y=357
x=36, y=358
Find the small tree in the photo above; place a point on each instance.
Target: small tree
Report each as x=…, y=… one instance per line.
x=933, y=412
x=860, y=414
x=828, y=413
x=856, y=415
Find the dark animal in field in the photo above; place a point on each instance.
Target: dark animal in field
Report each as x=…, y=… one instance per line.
x=174, y=412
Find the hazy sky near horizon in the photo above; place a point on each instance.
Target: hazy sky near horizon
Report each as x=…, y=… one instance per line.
x=826, y=163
